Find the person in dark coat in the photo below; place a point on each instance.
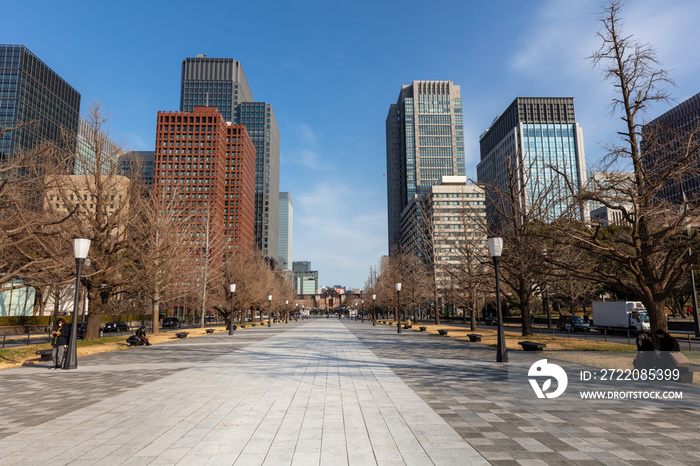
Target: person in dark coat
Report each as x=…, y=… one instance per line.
x=644, y=343
x=59, y=343
x=141, y=335
x=666, y=341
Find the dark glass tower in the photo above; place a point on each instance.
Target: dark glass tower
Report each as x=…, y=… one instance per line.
x=36, y=101
x=259, y=120
x=213, y=82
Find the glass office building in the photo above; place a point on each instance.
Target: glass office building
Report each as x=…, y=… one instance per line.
x=36, y=104
x=259, y=120
x=536, y=145
x=213, y=82
x=284, y=248
x=425, y=141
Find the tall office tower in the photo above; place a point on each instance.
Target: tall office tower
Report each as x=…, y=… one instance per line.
x=669, y=137
x=221, y=83
x=424, y=141
x=259, y=120
x=534, y=145
x=36, y=102
x=204, y=175
x=90, y=142
x=286, y=229
x=141, y=164
x=213, y=82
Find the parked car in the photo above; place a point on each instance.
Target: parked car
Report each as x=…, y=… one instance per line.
x=171, y=322
x=572, y=323
x=117, y=326
x=82, y=328
x=209, y=318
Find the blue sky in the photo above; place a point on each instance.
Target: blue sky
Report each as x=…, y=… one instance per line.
x=332, y=68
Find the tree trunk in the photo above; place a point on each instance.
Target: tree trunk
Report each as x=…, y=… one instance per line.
x=156, y=313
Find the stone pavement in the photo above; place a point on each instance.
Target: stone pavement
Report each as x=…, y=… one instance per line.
x=321, y=392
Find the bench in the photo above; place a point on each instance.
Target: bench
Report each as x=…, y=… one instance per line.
x=423, y=329
x=532, y=345
x=242, y=325
x=45, y=354
x=407, y=326
x=211, y=330
x=181, y=334
x=443, y=331
x=474, y=337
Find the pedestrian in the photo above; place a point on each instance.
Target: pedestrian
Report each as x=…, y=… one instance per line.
x=689, y=311
x=644, y=343
x=59, y=343
x=141, y=335
x=666, y=342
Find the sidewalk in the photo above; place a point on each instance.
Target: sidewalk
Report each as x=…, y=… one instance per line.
x=316, y=392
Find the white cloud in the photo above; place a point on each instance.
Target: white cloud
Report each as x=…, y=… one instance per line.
x=341, y=229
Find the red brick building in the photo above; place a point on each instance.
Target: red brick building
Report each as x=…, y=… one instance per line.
x=205, y=176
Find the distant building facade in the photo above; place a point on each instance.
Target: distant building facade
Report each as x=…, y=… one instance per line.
x=614, y=187
x=666, y=138
x=536, y=145
x=424, y=141
x=305, y=279
x=90, y=141
x=36, y=102
x=139, y=164
x=445, y=225
x=286, y=209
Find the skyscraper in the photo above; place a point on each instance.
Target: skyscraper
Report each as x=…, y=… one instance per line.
x=91, y=141
x=259, y=120
x=424, y=141
x=37, y=102
x=667, y=139
x=140, y=164
x=536, y=145
x=213, y=82
x=204, y=175
x=221, y=83
x=286, y=229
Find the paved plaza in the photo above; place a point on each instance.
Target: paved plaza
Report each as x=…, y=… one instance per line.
x=328, y=392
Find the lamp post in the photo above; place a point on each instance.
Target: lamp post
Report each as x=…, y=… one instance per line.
x=269, y=311
x=546, y=294
x=495, y=250
x=232, y=289
x=81, y=246
x=286, y=311
x=398, y=306
x=374, y=311
x=296, y=310
x=362, y=302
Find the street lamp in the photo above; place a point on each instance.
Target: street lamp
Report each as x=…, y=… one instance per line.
x=363, y=310
x=81, y=246
x=374, y=311
x=232, y=289
x=269, y=311
x=546, y=293
x=495, y=250
x=286, y=311
x=398, y=304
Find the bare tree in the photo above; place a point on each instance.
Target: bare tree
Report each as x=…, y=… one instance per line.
x=647, y=256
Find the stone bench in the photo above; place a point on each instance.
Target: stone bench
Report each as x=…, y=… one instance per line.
x=45, y=354
x=210, y=330
x=474, y=337
x=532, y=345
x=443, y=332
x=181, y=334
x=423, y=329
x=407, y=326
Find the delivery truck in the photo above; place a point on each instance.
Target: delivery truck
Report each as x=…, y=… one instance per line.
x=621, y=316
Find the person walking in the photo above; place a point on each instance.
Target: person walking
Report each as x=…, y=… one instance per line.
x=59, y=343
